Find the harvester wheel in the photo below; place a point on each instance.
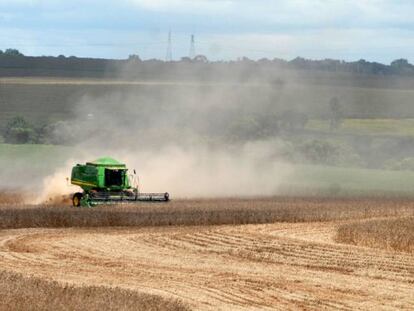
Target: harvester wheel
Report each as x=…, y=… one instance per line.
x=76, y=199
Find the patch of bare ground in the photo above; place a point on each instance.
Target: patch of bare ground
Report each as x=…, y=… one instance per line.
x=204, y=212
x=20, y=292
x=392, y=234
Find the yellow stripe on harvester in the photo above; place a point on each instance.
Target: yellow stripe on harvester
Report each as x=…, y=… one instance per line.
x=82, y=183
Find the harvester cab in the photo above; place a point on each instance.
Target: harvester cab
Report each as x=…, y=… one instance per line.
x=106, y=181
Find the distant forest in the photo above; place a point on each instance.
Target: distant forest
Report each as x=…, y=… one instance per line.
x=15, y=64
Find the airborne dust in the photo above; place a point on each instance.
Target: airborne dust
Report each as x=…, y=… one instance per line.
x=178, y=138
x=237, y=137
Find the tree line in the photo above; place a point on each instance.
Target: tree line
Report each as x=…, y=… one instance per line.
x=14, y=63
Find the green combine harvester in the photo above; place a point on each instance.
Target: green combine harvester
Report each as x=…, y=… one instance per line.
x=106, y=181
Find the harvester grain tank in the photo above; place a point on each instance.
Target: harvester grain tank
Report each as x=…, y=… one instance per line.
x=106, y=181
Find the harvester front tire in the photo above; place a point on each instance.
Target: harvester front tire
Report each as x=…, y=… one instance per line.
x=76, y=199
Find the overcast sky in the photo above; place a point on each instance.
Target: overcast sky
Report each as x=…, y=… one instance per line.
x=375, y=30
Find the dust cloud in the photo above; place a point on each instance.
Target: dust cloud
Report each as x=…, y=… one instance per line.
x=202, y=172
x=55, y=188
x=181, y=139
x=243, y=136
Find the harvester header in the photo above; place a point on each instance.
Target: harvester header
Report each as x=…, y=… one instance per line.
x=107, y=181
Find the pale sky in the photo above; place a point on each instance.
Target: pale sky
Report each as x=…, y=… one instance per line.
x=375, y=30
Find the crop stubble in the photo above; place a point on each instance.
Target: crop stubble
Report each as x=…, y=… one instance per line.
x=286, y=259
x=393, y=234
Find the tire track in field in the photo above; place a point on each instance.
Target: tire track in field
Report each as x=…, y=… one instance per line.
x=249, y=267
x=297, y=252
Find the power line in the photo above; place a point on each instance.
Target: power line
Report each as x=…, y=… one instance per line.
x=192, y=48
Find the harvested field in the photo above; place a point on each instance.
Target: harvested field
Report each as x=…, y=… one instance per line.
x=23, y=293
x=395, y=234
x=257, y=254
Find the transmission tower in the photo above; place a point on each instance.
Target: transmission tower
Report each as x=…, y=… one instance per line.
x=168, y=57
x=192, y=48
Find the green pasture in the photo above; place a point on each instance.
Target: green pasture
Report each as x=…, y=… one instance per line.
x=45, y=103
x=30, y=163
x=25, y=166
x=349, y=181
x=43, y=155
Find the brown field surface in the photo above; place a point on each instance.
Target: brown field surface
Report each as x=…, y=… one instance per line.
x=233, y=254
x=28, y=293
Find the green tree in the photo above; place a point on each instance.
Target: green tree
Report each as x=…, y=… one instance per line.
x=13, y=52
x=19, y=131
x=402, y=66
x=134, y=58
x=400, y=63
x=336, y=113
x=201, y=59
x=327, y=152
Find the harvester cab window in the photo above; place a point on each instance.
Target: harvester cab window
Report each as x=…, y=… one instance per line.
x=113, y=177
